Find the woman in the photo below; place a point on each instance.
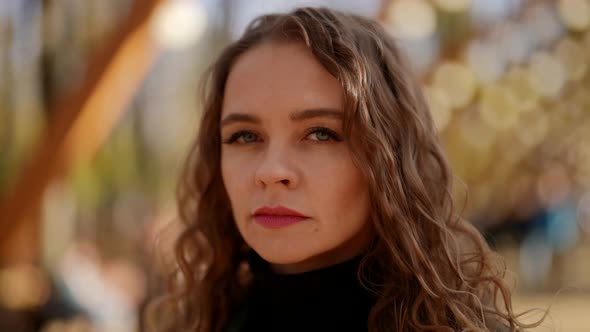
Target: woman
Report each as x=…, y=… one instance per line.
x=317, y=195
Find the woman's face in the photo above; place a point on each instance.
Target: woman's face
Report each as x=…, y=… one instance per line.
x=283, y=145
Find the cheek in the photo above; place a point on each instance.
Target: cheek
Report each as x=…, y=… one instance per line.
x=234, y=177
x=348, y=196
x=340, y=191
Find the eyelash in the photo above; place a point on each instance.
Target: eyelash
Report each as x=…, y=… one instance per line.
x=333, y=136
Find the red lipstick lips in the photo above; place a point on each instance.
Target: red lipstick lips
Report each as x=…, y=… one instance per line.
x=277, y=217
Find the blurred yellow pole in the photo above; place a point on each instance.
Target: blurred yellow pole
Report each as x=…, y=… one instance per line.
x=82, y=121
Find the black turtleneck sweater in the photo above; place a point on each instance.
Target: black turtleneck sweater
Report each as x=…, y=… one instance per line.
x=327, y=299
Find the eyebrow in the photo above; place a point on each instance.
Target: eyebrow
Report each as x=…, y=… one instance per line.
x=296, y=116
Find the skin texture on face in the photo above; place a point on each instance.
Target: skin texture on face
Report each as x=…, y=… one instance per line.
x=272, y=157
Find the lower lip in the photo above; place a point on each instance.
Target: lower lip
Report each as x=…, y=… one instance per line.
x=271, y=221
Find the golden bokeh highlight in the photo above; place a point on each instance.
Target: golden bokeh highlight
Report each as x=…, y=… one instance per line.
x=474, y=131
x=439, y=105
x=411, y=19
x=575, y=14
x=485, y=60
x=498, y=106
x=518, y=80
x=533, y=128
x=547, y=74
x=574, y=58
x=457, y=81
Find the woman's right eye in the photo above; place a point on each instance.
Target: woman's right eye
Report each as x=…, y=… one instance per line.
x=242, y=137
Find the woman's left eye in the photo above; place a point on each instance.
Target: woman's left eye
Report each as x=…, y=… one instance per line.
x=323, y=134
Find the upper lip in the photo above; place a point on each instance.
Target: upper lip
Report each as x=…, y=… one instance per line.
x=277, y=211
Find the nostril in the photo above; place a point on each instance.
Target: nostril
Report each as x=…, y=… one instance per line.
x=285, y=181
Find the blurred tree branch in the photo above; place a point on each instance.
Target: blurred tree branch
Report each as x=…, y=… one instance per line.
x=82, y=119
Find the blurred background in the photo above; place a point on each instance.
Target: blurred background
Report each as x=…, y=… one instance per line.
x=98, y=105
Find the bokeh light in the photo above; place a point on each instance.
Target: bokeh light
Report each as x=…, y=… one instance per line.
x=574, y=58
x=575, y=14
x=179, y=24
x=547, y=74
x=486, y=61
x=498, y=106
x=518, y=80
x=515, y=41
x=543, y=21
x=439, y=105
x=412, y=19
x=485, y=12
x=475, y=132
x=457, y=81
x=533, y=128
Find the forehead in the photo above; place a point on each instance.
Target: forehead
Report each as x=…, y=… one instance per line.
x=280, y=76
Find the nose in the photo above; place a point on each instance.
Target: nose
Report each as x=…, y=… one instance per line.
x=276, y=168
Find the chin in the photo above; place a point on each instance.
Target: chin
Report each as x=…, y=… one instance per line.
x=283, y=256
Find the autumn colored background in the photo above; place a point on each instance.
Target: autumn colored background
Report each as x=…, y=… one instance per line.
x=98, y=105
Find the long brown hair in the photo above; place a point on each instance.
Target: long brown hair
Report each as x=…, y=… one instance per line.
x=430, y=269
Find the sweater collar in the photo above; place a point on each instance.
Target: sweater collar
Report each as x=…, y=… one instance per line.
x=332, y=295
x=330, y=277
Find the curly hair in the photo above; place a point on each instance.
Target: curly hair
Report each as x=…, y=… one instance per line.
x=430, y=269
